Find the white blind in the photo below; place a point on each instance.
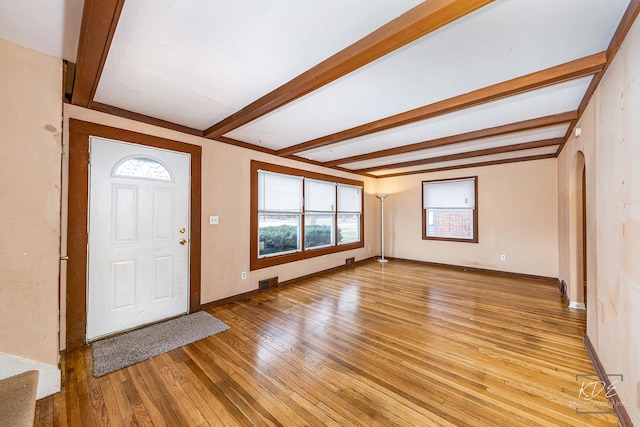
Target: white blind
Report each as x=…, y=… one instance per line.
x=450, y=194
x=279, y=193
x=319, y=195
x=349, y=198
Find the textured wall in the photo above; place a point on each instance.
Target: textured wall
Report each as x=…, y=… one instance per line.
x=610, y=142
x=30, y=147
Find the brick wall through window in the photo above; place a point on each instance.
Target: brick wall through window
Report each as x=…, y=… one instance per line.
x=455, y=223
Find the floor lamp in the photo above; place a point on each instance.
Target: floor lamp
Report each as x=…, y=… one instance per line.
x=382, y=196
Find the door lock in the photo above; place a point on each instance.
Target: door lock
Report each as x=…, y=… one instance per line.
x=183, y=230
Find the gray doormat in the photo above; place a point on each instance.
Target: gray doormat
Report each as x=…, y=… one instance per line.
x=132, y=347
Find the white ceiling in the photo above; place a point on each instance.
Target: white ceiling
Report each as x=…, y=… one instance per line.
x=195, y=63
x=456, y=59
x=539, y=134
x=476, y=160
x=49, y=26
x=542, y=102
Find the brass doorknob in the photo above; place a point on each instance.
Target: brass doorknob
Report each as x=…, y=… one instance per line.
x=183, y=242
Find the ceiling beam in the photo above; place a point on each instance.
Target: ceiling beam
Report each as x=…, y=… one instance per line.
x=629, y=17
x=468, y=154
x=246, y=145
x=560, y=73
x=415, y=23
x=115, y=111
x=99, y=21
x=472, y=165
x=266, y=150
x=623, y=28
x=524, y=125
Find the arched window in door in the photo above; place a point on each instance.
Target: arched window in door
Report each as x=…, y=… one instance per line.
x=142, y=167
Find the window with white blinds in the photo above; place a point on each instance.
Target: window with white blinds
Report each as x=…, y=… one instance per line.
x=279, y=213
x=450, y=209
x=279, y=193
x=300, y=214
x=319, y=213
x=349, y=211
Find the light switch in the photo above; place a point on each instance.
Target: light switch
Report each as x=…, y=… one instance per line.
x=214, y=220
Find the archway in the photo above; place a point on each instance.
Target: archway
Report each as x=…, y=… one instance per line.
x=577, y=229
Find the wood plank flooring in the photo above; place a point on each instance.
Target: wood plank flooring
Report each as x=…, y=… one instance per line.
x=397, y=344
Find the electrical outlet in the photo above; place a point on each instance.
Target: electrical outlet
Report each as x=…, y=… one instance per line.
x=214, y=220
x=244, y=275
x=503, y=257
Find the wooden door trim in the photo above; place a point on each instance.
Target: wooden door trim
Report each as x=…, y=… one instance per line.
x=77, y=236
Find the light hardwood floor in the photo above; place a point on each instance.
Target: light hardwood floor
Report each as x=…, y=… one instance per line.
x=396, y=344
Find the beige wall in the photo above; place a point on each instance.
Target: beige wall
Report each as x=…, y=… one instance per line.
x=517, y=206
x=30, y=146
x=610, y=142
x=225, y=192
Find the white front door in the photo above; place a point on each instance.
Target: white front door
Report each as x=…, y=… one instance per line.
x=138, y=236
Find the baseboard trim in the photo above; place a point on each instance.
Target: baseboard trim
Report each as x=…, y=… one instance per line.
x=577, y=305
x=501, y=273
x=234, y=298
x=319, y=273
x=252, y=293
x=618, y=406
x=563, y=291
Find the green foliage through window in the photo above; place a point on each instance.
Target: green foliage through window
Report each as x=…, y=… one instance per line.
x=284, y=238
x=279, y=238
x=317, y=235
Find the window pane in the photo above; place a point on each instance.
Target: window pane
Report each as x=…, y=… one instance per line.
x=318, y=230
x=143, y=167
x=348, y=228
x=278, y=234
x=280, y=193
x=450, y=223
x=349, y=198
x=319, y=195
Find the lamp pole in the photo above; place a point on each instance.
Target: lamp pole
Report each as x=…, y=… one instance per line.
x=382, y=196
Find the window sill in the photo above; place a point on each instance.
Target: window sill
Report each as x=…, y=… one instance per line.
x=257, y=264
